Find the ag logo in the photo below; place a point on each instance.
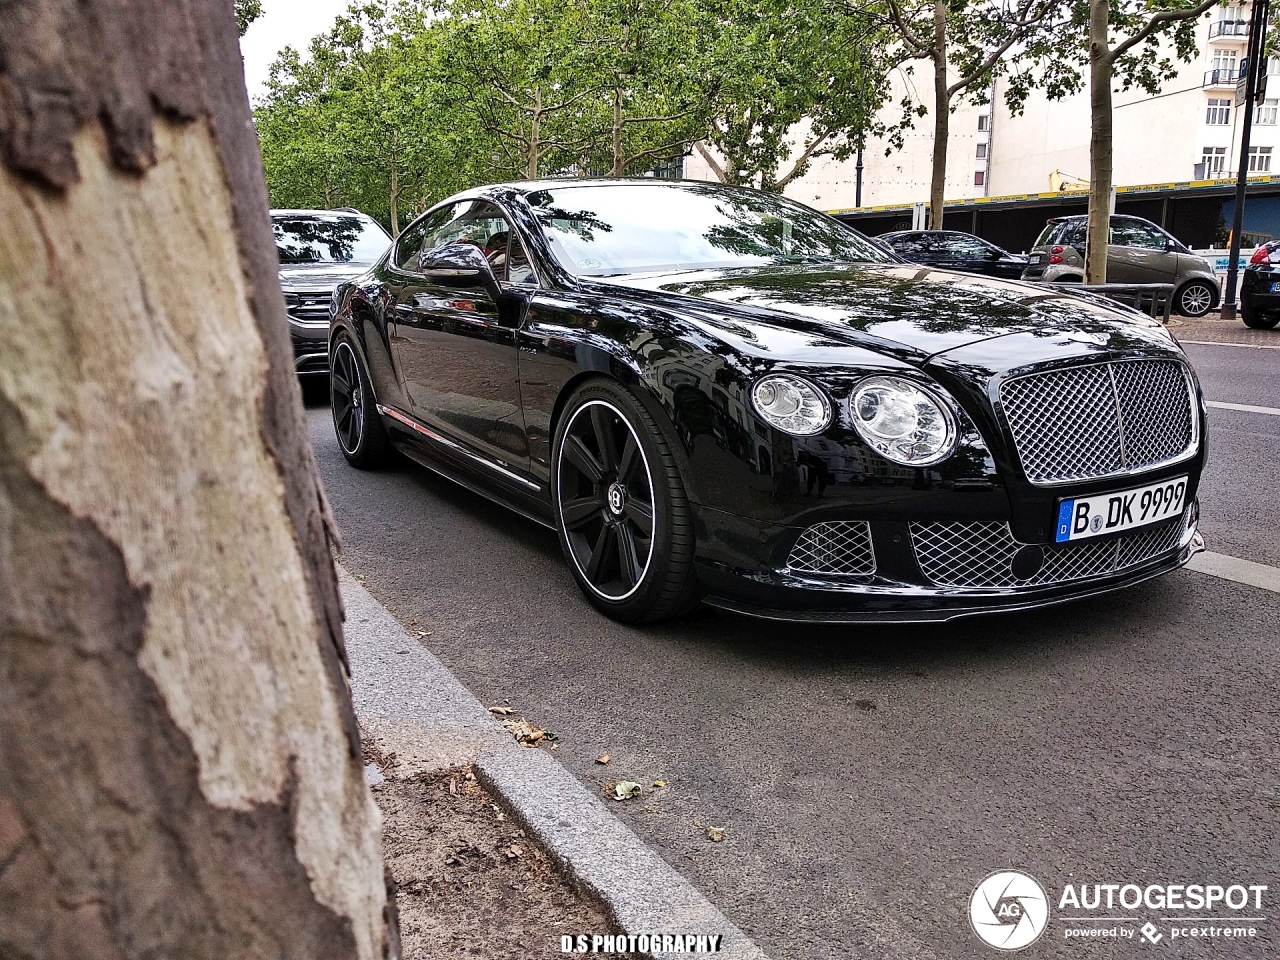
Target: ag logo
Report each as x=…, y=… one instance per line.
x=1009, y=910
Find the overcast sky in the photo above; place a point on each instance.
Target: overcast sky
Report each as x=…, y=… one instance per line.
x=284, y=23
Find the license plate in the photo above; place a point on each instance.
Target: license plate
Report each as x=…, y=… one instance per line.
x=1035, y=258
x=1275, y=288
x=1106, y=513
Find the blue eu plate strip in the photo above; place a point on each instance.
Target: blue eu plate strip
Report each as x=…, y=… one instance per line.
x=1064, y=521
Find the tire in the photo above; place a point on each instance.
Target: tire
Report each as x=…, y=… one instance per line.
x=361, y=434
x=1194, y=299
x=1256, y=320
x=612, y=477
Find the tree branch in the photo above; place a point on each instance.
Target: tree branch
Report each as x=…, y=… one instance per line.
x=711, y=161
x=1166, y=16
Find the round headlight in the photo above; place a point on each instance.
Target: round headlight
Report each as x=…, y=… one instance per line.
x=791, y=405
x=903, y=422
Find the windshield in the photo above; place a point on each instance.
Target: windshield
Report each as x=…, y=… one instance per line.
x=312, y=238
x=611, y=229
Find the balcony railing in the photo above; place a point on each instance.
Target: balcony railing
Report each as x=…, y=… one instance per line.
x=1229, y=28
x=1221, y=78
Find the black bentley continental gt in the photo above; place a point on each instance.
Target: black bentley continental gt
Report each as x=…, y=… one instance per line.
x=719, y=396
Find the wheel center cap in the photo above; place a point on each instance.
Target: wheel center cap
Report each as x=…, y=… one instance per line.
x=617, y=498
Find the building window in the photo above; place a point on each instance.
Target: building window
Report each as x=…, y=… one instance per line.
x=1273, y=66
x=1219, y=112
x=982, y=151
x=1214, y=159
x=672, y=169
x=984, y=122
x=1265, y=113
x=979, y=178
x=1224, y=61
x=1259, y=159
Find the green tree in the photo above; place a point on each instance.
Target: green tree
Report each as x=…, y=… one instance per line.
x=1138, y=40
x=969, y=44
x=786, y=84
x=648, y=67
x=247, y=11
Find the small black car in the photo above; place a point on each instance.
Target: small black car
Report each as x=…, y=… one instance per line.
x=953, y=250
x=717, y=395
x=1260, y=288
x=318, y=249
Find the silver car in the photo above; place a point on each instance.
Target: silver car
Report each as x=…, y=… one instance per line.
x=1138, y=252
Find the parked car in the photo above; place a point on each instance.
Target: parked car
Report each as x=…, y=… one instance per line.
x=1138, y=252
x=1260, y=288
x=953, y=250
x=711, y=395
x=318, y=249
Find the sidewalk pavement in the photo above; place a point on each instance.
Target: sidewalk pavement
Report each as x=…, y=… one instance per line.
x=410, y=701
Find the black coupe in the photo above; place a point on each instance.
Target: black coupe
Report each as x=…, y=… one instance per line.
x=953, y=250
x=716, y=395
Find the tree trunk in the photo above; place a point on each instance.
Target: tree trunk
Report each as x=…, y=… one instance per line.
x=180, y=770
x=941, y=116
x=535, y=131
x=619, y=161
x=1100, y=143
x=395, y=200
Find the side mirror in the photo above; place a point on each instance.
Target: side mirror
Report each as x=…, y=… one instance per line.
x=460, y=265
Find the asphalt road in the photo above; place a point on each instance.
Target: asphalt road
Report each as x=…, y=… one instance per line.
x=868, y=778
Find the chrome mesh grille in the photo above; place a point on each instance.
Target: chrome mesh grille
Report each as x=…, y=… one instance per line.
x=981, y=554
x=1085, y=422
x=841, y=548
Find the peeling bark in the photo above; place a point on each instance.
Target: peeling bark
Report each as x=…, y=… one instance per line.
x=179, y=760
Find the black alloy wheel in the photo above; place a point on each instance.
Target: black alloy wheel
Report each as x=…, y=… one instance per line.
x=361, y=434
x=1255, y=319
x=625, y=523
x=1194, y=299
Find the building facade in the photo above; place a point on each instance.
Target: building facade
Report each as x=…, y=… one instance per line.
x=1189, y=131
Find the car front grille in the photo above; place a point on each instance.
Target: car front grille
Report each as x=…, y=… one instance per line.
x=840, y=548
x=308, y=307
x=981, y=554
x=1100, y=420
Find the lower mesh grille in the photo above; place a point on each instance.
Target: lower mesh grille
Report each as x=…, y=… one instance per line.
x=981, y=554
x=841, y=548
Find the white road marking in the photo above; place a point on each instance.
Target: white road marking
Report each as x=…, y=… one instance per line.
x=1245, y=408
x=1219, y=343
x=1238, y=571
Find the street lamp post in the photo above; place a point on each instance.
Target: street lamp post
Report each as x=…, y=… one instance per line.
x=1257, y=37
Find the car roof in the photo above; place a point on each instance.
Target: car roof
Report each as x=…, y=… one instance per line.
x=320, y=213
x=1114, y=216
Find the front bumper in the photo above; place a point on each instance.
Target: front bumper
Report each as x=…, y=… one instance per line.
x=900, y=590
x=310, y=348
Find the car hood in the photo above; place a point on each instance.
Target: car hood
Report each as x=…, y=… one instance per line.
x=909, y=311
x=319, y=276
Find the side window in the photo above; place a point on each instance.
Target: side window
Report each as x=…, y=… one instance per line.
x=1135, y=233
x=482, y=225
x=414, y=240
x=1074, y=234
x=966, y=248
x=519, y=269
x=908, y=244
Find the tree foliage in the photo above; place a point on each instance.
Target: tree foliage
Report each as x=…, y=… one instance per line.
x=1136, y=43
x=968, y=45
x=402, y=103
x=790, y=82
x=247, y=11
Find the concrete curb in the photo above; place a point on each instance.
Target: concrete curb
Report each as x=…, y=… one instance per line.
x=410, y=700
